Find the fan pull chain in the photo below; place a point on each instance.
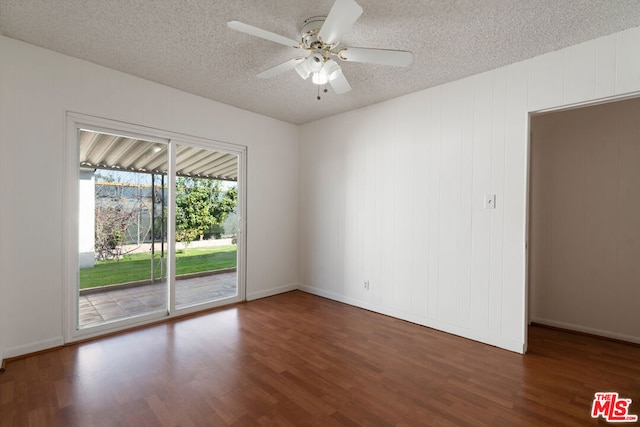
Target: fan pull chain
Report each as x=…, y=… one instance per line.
x=325, y=90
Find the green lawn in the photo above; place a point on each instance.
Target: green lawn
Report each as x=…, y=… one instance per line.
x=136, y=267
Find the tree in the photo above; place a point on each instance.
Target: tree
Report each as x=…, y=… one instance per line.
x=118, y=207
x=111, y=223
x=200, y=204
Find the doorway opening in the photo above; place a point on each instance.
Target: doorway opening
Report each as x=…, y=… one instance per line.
x=584, y=219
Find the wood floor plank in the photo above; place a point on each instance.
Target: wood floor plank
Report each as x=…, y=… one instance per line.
x=300, y=360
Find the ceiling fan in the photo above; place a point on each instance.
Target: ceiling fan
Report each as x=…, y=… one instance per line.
x=320, y=51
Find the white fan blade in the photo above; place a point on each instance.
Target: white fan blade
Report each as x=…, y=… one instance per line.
x=398, y=58
x=263, y=34
x=341, y=17
x=340, y=84
x=279, y=69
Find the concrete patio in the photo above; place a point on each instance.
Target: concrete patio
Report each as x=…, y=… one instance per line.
x=99, y=307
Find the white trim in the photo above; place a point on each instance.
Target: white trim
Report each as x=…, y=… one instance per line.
x=241, y=237
x=206, y=306
x=588, y=103
x=273, y=291
x=117, y=127
x=115, y=326
x=527, y=217
x=69, y=245
x=32, y=348
x=171, y=230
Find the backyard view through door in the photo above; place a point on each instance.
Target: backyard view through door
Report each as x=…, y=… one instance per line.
x=124, y=209
x=206, y=226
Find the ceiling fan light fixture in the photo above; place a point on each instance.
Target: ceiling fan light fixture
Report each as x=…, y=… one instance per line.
x=332, y=69
x=303, y=71
x=320, y=77
x=319, y=47
x=312, y=64
x=316, y=62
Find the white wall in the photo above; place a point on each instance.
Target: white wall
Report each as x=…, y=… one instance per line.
x=584, y=238
x=393, y=193
x=37, y=87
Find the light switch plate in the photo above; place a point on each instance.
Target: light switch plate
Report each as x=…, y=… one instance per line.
x=490, y=201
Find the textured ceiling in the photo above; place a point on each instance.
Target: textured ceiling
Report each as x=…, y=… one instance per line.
x=186, y=44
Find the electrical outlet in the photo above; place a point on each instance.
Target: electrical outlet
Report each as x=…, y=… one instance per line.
x=366, y=285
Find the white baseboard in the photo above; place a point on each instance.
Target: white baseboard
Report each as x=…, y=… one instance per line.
x=33, y=347
x=273, y=291
x=496, y=341
x=587, y=330
x=410, y=317
x=21, y=350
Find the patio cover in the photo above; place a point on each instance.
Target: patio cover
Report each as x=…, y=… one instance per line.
x=114, y=152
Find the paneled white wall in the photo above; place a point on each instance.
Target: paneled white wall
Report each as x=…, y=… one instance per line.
x=37, y=87
x=394, y=193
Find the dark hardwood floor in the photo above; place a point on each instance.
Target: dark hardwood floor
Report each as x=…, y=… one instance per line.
x=297, y=360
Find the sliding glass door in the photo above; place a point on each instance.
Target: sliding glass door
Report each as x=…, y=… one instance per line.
x=122, y=229
x=158, y=228
x=206, y=226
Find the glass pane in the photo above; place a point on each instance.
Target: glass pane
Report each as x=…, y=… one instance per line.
x=206, y=226
x=122, y=228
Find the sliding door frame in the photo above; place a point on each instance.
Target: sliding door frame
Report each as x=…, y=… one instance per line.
x=70, y=241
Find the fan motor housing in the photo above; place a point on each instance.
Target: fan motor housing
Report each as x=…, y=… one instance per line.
x=310, y=29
